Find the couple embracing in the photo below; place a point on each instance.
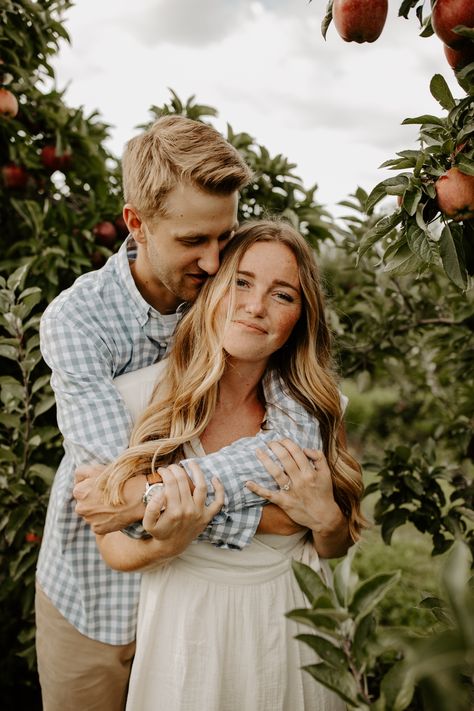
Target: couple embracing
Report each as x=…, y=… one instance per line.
x=203, y=426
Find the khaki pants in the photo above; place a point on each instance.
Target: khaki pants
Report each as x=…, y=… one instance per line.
x=78, y=673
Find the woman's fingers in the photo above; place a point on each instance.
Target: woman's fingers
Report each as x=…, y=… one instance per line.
x=275, y=470
x=291, y=456
x=261, y=491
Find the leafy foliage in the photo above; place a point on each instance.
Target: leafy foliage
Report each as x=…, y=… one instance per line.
x=418, y=237
x=371, y=666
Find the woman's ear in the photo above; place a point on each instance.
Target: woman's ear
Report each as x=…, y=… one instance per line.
x=134, y=223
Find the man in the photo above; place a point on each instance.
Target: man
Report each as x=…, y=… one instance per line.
x=181, y=181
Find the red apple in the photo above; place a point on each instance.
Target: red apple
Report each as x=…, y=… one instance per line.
x=359, y=20
x=8, y=103
x=14, y=176
x=447, y=14
x=455, y=195
x=460, y=57
x=121, y=226
x=55, y=161
x=98, y=259
x=105, y=233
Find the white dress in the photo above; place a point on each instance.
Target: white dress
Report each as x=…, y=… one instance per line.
x=212, y=633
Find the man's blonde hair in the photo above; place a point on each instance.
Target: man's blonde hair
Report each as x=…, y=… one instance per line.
x=173, y=150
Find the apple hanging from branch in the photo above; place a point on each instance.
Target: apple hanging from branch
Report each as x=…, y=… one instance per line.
x=53, y=160
x=446, y=15
x=105, y=233
x=8, y=103
x=455, y=195
x=14, y=176
x=359, y=20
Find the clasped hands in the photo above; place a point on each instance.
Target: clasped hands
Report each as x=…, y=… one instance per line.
x=305, y=495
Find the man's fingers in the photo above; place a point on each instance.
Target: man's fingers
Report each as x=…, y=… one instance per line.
x=87, y=471
x=200, y=486
x=219, y=498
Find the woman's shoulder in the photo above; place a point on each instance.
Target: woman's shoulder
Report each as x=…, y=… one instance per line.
x=142, y=375
x=136, y=387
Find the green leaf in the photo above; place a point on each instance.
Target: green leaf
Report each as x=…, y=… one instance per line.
x=314, y=618
x=44, y=405
x=328, y=651
x=309, y=581
x=391, y=521
x=364, y=629
x=343, y=683
x=382, y=228
x=411, y=198
x=425, y=119
x=398, y=686
x=327, y=19
x=452, y=257
x=440, y=91
x=464, y=31
x=420, y=244
x=465, y=164
x=43, y=472
x=9, y=352
x=18, y=277
x=344, y=578
x=369, y=593
x=403, y=262
x=40, y=383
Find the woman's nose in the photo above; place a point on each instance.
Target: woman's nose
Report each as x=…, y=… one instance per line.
x=255, y=305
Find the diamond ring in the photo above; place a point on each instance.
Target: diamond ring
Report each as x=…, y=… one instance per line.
x=286, y=487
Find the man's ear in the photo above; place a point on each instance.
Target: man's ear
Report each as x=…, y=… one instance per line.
x=134, y=223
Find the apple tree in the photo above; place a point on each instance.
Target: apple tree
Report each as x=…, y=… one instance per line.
x=58, y=185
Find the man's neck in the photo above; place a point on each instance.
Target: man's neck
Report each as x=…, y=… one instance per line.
x=155, y=294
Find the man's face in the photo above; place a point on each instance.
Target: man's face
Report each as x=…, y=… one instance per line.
x=179, y=251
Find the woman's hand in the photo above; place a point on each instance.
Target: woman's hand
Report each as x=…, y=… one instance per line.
x=305, y=493
x=175, y=515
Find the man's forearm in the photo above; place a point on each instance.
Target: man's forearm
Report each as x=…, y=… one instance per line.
x=275, y=520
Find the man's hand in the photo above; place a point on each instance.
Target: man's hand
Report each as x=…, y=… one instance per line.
x=102, y=517
x=185, y=514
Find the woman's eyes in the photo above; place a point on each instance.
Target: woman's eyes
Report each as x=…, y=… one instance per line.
x=280, y=295
x=284, y=296
x=241, y=282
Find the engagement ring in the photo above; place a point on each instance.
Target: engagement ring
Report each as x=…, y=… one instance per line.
x=286, y=487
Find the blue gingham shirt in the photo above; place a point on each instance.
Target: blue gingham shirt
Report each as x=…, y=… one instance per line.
x=98, y=329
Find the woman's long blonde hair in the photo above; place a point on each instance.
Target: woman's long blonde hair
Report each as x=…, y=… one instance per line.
x=184, y=401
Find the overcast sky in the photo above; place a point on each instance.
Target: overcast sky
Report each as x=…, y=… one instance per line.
x=333, y=108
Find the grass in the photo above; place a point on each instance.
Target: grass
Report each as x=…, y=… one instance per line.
x=409, y=552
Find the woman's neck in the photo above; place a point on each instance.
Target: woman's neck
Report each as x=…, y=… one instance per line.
x=239, y=382
x=239, y=411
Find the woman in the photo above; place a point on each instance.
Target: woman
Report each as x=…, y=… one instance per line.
x=212, y=632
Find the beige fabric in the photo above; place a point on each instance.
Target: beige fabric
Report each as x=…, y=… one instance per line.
x=78, y=673
x=212, y=633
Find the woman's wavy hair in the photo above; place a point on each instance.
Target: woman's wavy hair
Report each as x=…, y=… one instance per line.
x=184, y=401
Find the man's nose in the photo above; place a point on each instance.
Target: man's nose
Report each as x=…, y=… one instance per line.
x=209, y=260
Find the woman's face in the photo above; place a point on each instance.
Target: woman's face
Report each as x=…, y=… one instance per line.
x=267, y=302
